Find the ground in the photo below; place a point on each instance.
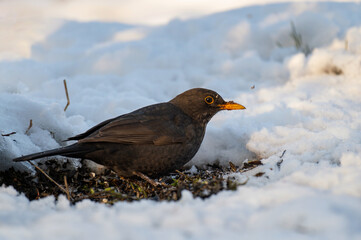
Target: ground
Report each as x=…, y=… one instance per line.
x=109, y=188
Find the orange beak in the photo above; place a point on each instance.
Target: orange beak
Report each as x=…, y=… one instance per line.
x=231, y=106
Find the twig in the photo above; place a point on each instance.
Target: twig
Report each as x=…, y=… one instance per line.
x=297, y=38
x=281, y=160
x=233, y=167
x=283, y=154
x=46, y=175
x=184, y=175
x=67, y=188
x=37, y=194
x=346, y=45
x=67, y=95
x=146, y=178
x=8, y=134
x=30, y=125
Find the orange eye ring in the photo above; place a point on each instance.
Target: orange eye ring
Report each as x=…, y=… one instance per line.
x=209, y=100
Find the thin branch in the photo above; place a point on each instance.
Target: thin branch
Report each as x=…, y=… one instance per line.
x=346, y=45
x=67, y=188
x=8, y=134
x=184, y=175
x=30, y=125
x=146, y=178
x=67, y=96
x=46, y=175
x=283, y=154
x=233, y=167
x=281, y=160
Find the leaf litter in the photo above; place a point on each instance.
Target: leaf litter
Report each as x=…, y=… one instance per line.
x=82, y=183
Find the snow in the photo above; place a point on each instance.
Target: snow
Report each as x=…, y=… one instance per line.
x=309, y=106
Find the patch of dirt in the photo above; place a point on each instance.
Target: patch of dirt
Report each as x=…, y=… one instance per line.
x=109, y=188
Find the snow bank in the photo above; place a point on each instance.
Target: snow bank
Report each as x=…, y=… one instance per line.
x=280, y=210
x=307, y=104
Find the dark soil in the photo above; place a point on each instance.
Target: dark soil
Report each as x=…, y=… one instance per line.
x=109, y=188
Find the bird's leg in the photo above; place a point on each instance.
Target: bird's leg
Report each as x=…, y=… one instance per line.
x=146, y=178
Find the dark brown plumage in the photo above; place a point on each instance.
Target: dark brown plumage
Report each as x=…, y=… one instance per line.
x=152, y=140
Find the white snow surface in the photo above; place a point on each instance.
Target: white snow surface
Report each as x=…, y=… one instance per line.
x=306, y=104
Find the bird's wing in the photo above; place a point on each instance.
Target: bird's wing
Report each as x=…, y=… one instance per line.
x=91, y=130
x=136, y=129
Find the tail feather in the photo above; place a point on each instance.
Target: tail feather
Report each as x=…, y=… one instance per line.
x=70, y=151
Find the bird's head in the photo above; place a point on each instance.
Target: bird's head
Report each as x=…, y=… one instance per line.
x=202, y=104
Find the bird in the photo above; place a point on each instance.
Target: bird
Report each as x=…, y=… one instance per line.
x=151, y=141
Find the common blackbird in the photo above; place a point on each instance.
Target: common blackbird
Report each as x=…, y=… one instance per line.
x=152, y=140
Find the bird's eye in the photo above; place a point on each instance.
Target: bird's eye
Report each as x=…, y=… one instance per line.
x=209, y=100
